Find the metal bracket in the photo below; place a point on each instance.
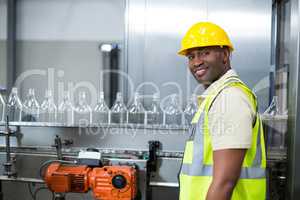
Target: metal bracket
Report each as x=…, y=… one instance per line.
x=154, y=146
x=58, y=144
x=9, y=162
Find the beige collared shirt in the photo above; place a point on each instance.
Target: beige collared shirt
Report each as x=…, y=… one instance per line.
x=230, y=117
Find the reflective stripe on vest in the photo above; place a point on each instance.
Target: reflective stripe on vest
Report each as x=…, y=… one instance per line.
x=196, y=158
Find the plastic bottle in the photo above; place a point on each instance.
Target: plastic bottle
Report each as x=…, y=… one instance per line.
x=136, y=111
x=273, y=109
x=2, y=109
x=101, y=111
x=190, y=109
x=155, y=114
x=83, y=112
x=173, y=112
x=66, y=110
x=14, y=107
x=31, y=107
x=48, y=109
x=118, y=111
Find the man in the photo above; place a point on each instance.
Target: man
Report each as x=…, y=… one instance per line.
x=225, y=156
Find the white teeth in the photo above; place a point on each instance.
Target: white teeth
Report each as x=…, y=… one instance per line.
x=200, y=72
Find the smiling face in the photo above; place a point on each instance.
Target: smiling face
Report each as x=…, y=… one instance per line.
x=208, y=64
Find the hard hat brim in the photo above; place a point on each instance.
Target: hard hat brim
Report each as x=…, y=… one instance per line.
x=183, y=52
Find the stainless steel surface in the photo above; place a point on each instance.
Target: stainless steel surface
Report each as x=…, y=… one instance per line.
x=168, y=170
x=249, y=26
x=111, y=63
x=154, y=38
x=3, y=43
x=66, y=36
x=107, y=153
x=264, y=117
x=164, y=184
x=275, y=129
x=119, y=138
x=23, y=180
x=128, y=126
x=11, y=45
x=293, y=187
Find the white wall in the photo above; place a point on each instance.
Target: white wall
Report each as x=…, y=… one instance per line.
x=70, y=20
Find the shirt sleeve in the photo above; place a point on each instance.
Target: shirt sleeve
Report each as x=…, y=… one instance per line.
x=231, y=118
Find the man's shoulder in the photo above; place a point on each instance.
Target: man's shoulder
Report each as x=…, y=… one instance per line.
x=233, y=97
x=231, y=117
x=234, y=92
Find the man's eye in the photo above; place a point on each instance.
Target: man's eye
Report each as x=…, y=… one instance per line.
x=190, y=57
x=206, y=53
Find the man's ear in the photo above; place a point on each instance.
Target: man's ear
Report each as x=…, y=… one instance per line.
x=226, y=55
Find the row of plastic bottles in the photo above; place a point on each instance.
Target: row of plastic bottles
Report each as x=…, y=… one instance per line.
x=31, y=111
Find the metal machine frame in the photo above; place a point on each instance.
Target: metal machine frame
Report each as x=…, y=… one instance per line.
x=293, y=187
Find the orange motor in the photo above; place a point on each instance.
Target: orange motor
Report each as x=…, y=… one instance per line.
x=66, y=178
x=113, y=182
x=107, y=183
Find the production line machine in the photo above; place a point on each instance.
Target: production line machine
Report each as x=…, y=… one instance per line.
x=106, y=181
x=106, y=174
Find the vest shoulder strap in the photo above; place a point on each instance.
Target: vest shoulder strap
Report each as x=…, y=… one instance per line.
x=231, y=82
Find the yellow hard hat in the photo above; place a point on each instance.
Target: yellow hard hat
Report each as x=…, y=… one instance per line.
x=204, y=34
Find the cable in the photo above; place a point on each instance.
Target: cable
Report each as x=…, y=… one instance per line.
x=34, y=194
x=52, y=161
x=30, y=190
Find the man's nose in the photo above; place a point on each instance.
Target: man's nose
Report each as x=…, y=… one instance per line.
x=198, y=61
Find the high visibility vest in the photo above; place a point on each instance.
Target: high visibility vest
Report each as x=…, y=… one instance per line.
x=197, y=165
